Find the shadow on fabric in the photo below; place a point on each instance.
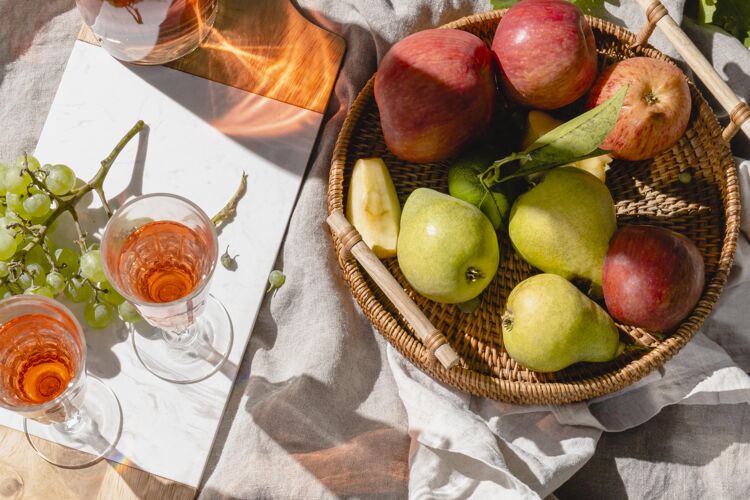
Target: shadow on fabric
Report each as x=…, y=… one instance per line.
x=686, y=444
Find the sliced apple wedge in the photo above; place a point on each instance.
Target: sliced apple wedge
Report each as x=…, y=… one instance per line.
x=372, y=206
x=539, y=123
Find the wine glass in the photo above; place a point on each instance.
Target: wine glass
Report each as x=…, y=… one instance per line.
x=72, y=419
x=149, y=31
x=159, y=251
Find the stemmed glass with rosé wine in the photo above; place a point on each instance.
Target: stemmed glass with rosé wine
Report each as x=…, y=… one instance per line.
x=149, y=31
x=159, y=251
x=71, y=419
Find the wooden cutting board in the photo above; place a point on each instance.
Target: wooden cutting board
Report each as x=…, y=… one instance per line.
x=262, y=46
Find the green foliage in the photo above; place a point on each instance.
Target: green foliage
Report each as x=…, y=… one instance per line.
x=574, y=140
x=502, y=4
x=731, y=15
x=590, y=7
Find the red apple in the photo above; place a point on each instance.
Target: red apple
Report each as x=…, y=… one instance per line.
x=435, y=91
x=656, y=109
x=546, y=52
x=653, y=277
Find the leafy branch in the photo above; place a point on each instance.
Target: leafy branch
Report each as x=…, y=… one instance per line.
x=572, y=141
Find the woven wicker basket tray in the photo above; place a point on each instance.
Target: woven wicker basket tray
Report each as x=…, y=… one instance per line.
x=647, y=192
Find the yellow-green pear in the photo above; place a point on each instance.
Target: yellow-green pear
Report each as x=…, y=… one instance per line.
x=563, y=225
x=447, y=248
x=549, y=324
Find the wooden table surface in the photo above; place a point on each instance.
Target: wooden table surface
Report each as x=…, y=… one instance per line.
x=263, y=46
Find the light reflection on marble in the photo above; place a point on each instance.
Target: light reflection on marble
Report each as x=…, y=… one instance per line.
x=201, y=136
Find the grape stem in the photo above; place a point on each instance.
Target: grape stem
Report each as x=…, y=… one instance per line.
x=229, y=211
x=67, y=203
x=79, y=231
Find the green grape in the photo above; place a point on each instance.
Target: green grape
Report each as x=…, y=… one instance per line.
x=91, y=266
x=15, y=204
x=3, y=170
x=38, y=221
x=128, y=313
x=29, y=160
x=98, y=315
x=60, y=179
x=276, y=279
x=14, y=201
x=40, y=290
x=109, y=294
x=48, y=243
x=37, y=256
x=66, y=261
x=5, y=292
x=16, y=180
x=78, y=290
x=15, y=288
x=8, y=245
x=55, y=281
x=24, y=280
x=4, y=271
x=38, y=274
x=37, y=205
x=8, y=219
x=51, y=228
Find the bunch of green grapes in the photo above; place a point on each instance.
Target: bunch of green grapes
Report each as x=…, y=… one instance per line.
x=32, y=197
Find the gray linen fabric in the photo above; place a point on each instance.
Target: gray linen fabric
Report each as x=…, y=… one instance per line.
x=315, y=412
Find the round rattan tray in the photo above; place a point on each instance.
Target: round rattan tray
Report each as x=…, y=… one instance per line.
x=648, y=192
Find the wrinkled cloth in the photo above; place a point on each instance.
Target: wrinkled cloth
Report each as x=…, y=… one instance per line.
x=324, y=408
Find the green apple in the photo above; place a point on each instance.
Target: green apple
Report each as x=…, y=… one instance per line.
x=464, y=184
x=447, y=248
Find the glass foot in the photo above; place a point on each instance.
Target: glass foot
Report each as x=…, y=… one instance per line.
x=93, y=438
x=202, y=353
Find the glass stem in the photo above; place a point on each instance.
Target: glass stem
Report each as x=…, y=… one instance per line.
x=74, y=419
x=183, y=337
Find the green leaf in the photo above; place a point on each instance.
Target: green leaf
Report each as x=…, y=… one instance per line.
x=502, y=4
x=732, y=16
x=525, y=172
x=590, y=7
x=573, y=140
x=579, y=136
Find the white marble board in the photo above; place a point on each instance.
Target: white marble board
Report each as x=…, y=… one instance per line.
x=201, y=136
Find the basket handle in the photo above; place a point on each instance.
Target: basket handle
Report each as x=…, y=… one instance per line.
x=657, y=15
x=432, y=339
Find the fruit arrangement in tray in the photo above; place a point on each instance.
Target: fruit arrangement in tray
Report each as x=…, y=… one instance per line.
x=534, y=184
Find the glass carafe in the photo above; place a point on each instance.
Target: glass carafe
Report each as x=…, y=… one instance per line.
x=149, y=31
